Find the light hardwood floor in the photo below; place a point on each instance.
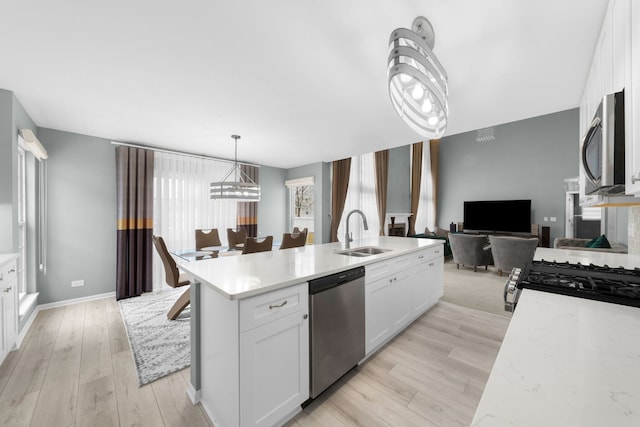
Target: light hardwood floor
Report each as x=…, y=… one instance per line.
x=75, y=368
x=433, y=374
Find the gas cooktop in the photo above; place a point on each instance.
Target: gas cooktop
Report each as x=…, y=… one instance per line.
x=603, y=283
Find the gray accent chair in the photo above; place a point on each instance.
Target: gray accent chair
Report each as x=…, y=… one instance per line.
x=509, y=252
x=469, y=250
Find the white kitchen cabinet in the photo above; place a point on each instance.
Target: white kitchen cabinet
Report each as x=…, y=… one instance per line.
x=632, y=102
x=255, y=369
x=399, y=290
x=274, y=374
x=8, y=307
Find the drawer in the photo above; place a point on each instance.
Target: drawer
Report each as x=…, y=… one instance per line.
x=381, y=269
x=274, y=305
x=431, y=253
x=373, y=272
x=8, y=272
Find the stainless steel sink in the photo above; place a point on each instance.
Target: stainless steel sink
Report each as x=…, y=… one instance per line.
x=363, y=251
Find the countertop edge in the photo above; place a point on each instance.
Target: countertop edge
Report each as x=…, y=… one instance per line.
x=422, y=244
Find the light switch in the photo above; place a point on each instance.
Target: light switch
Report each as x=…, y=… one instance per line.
x=546, y=218
x=553, y=219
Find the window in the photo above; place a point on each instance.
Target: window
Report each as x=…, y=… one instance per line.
x=181, y=203
x=301, y=204
x=22, y=223
x=361, y=194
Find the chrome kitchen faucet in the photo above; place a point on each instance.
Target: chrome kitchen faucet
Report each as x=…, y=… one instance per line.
x=347, y=235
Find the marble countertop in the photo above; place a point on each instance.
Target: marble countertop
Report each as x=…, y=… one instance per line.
x=566, y=361
x=243, y=276
x=4, y=258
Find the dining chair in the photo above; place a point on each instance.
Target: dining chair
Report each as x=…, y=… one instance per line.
x=206, y=238
x=251, y=245
x=290, y=240
x=173, y=278
x=236, y=238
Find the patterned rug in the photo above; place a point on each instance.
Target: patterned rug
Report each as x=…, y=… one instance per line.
x=159, y=346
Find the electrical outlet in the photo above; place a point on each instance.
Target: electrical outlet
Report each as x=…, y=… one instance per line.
x=77, y=283
x=546, y=218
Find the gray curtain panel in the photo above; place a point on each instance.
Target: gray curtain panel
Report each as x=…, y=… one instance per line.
x=247, y=216
x=134, y=176
x=339, y=187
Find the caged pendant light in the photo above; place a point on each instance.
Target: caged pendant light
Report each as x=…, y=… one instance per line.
x=241, y=188
x=417, y=81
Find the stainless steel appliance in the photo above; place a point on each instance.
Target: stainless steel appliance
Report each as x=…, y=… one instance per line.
x=602, y=148
x=601, y=283
x=336, y=307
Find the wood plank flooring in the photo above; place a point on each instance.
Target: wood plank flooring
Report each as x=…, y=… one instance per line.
x=75, y=368
x=433, y=374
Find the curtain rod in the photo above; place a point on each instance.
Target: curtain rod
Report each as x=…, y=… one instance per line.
x=182, y=153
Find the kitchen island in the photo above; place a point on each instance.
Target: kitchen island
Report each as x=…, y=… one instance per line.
x=250, y=327
x=567, y=361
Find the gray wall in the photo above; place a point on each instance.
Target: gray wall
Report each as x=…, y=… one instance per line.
x=322, y=197
x=81, y=216
x=399, y=184
x=6, y=173
x=529, y=159
x=272, y=207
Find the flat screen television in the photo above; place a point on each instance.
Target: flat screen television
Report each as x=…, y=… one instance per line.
x=513, y=216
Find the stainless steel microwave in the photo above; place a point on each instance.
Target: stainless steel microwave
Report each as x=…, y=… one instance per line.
x=602, y=148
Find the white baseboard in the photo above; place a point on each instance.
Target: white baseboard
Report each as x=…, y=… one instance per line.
x=194, y=395
x=75, y=301
x=27, y=325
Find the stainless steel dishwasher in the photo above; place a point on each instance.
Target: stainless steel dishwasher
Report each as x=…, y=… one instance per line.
x=336, y=307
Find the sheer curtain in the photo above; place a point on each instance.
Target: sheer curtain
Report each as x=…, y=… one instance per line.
x=181, y=203
x=426, y=206
x=361, y=195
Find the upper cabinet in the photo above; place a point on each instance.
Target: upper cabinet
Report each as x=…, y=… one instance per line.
x=632, y=99
x=616, y=66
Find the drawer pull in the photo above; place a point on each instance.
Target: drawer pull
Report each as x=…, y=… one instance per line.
x=272, y=306
x=13, y=270
x=421, y=257
x=431, y=264
x=8, y=289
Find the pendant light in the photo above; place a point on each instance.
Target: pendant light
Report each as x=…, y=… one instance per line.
x=236, y=184
x=417, y=81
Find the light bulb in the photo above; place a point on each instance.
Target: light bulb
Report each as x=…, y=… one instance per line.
x=433, y=120
x=427, y=106
x=405, y=78
x=418, y=92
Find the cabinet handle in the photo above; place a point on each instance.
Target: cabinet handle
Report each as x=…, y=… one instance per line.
x=431, y=264
x=272, y=306
x=7, y=290
x=305, y=316
x=421, y=257
x=12, y=270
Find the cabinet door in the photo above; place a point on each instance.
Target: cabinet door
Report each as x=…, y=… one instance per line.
x=632, y=109
x=420, y=292
x=436, y=280
x=400, y=300
x=377, y=313
x=274, y=370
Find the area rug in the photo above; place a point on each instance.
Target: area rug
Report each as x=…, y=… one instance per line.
x=159, y=346
x=482, y=290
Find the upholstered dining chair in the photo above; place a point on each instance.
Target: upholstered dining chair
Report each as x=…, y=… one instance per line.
x=290, y=240
x=470, y=250
x=173, y=278
x=236, y=238
x=509, y=252
x=206, y=238
x=251, y=245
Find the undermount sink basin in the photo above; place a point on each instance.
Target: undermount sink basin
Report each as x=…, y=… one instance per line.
x=363, y=251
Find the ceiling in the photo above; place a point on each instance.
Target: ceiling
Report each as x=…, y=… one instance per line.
x=300, y=81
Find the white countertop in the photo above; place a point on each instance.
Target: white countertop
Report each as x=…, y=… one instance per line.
x=611, y=259
x=4, y=258
x=566, y=361
x=243, y=276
